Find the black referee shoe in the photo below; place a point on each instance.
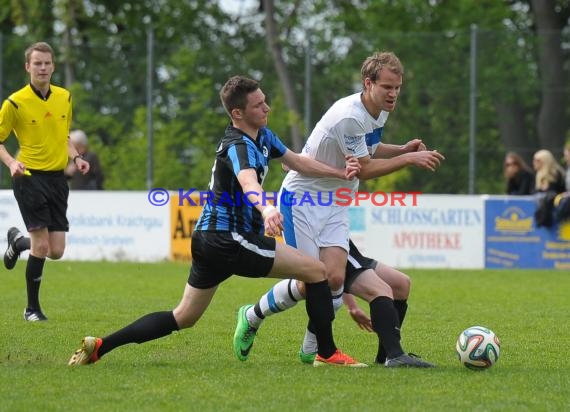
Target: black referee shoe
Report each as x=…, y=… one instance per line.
x=11, y=255
x=34, y=315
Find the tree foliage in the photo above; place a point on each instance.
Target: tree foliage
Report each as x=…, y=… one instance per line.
x=102, y=56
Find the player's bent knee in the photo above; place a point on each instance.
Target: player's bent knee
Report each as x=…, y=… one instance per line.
x=55, y=255
x=402, y=291
x=407, y=284
x=40, y=250
x=335, y=281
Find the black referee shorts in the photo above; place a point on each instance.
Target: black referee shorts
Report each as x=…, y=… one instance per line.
x=355, y=265
x=218, y=255
x=42, y=199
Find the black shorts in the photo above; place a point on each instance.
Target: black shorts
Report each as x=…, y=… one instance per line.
x=355, y=265
x=42, y=199
x=218, y=255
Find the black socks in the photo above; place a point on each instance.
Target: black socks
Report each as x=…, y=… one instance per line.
x=149, y=327
x=321, y=314
x=386, y=324
x=34, y=271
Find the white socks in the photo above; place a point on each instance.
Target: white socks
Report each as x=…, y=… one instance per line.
x=282, y=296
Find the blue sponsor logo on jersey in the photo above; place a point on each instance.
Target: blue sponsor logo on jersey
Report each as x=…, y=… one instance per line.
x=374, y=138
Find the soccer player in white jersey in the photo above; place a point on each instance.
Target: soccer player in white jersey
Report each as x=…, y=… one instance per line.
x=353, y=125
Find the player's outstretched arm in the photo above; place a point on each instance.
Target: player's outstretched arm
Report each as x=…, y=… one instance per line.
x=314, y=168
x=386, y=150
x=372, y=168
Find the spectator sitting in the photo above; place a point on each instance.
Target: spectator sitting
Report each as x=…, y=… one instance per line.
x=567, y=161
x=550, y=176
x=93, y=180
x=519, y=175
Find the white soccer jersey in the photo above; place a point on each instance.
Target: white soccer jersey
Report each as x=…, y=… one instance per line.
x=346, y=128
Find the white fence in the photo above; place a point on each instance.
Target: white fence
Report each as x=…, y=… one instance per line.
x=438, y=231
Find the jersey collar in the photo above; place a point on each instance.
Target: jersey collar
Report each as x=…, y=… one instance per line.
x=39, y=93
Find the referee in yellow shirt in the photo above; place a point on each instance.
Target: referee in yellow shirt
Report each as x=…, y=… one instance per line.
x=39, y=114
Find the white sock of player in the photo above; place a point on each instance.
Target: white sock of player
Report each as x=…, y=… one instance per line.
x=282, y=296
x=337, y=298
x=310, y=342
x=310, y=339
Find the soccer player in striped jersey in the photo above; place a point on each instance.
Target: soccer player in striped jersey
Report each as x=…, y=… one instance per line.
x=39, y=114
x=229, y=235
x=352, y=125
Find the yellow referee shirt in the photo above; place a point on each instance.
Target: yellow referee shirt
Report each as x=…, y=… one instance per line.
x=40, y=125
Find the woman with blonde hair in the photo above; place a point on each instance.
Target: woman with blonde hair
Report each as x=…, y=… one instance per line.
x=550, y=176
x=518, y=174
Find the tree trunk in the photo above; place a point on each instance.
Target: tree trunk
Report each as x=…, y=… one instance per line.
x=274, y=46
x=552, y=124
x=68, y=17
x=513, y=130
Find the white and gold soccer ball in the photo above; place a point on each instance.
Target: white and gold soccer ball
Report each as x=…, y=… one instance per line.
x=478, y=348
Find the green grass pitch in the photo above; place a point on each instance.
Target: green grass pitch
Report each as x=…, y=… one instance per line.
x=195, y=370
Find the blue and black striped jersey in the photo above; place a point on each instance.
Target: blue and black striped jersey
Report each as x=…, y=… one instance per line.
x=227, y=209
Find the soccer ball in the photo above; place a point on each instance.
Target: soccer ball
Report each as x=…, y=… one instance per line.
x=478, y=348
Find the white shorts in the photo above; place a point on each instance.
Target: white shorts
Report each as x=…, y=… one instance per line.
x=310, y=227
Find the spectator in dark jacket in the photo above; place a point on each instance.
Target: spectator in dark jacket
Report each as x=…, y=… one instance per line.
x=93, y=180
x=520, y=177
